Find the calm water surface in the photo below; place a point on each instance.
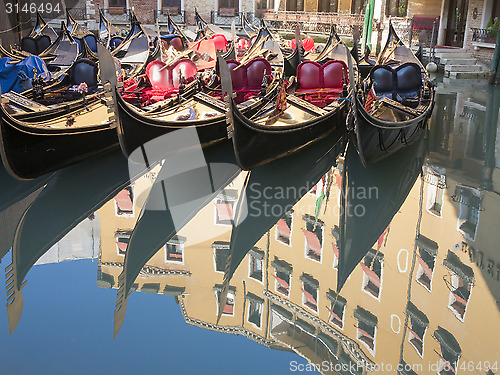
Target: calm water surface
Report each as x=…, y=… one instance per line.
x=356, y=270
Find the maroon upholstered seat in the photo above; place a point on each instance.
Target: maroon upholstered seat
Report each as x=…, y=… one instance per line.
x=321, y=84
x=247, y=79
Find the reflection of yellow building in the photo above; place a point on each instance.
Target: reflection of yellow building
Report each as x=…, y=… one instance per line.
x=427, y=295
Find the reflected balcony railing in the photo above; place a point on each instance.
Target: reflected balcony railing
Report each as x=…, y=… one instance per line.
x=484, y=35
x=177, y=15
x=118, y=14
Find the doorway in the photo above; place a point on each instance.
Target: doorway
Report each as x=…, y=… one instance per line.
x=457, y=19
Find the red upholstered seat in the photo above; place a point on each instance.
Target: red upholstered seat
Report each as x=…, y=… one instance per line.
x=247, y=80
x=220, y=42
x=164, y=81
x=321, y=84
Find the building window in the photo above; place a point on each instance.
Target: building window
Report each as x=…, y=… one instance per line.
x=295, y=6
x=396, y=8
x=262, y=5
x=224, y=207
x=462, y=278
x=313, y=233
x=174, y=250
x=256, y=260
x=335, y=246
x=221, y=253
x=229, y=306
x=470, y=206
x=124, y=202
x=310, y=288
x=337, y=308
x=282, y=275
x=358, y=6
x=117, y=6
x=450, y=352
x=255, y=307
x=372, y=272
x=418, y=325
x=170, y=6
x=366, y=328
x=228, y=7
x=427, y=252
x=328, y=6
x=435, y=192
x=122, y=239
x=284, y=229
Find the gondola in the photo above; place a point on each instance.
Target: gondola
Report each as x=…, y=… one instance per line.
x=71, y=195
x=293, y=122
x=393, y=105
x=391, y=180
x=299, y=173
x=205, y=112
x=248, y=27
x=42, y=28
x=30, y=149
x=171, y=204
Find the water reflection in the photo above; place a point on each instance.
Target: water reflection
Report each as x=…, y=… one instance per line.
x=351, y=268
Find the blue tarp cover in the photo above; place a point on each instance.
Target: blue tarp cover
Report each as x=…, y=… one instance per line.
x=17, y=77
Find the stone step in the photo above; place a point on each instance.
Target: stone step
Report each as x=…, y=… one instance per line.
x=458, y=55
x=467, y=75
x=463, y=68
x=453, y=61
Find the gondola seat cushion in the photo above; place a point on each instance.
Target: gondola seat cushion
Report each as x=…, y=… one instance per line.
x=173, y=40
x=321, y=84
x=115, y=42
x=220, y=42
x=402, y=84
x=91, y=41
x=35, y=46
x=247, y=79
x=164, y=81
x=84, y=70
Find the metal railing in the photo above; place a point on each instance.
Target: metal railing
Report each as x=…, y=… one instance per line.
x=313, y=21
x=484, y=35
x=79, y=13
x=225, y=17
x=179, y=17
x=117, y=14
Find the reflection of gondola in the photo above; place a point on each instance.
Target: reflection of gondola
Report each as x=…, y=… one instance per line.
x=172, y=203
x=370, y=198
x=395, y=103
x=296, y=174
x=69, y=197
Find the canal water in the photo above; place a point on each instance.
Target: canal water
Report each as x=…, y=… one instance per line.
x=330, y=267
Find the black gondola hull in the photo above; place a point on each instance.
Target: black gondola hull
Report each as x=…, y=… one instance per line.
x=256, y=145
x=28, y=153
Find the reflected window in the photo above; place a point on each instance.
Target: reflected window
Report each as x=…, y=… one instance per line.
x=470, y=206
x=462, y=278
x=221, y=254
x=310, y=288
x=256, y=260
x=124, y=202
x=284, y=229
x=358, y=6
x=225, y=204
x=335, y=246
x=313, y=233
x=372, y=272
x=396, y=8
x=366, y=328
x=255, y=307
x=228, y=7
x=435, y=191
x=337, y=308
x=417, y=327
x=122, y=239
x=426, y=256
x=229, y=306
x=174, y=249
x=171, y=6
x=262, y=5
x=450, y=352
x=282, y=276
